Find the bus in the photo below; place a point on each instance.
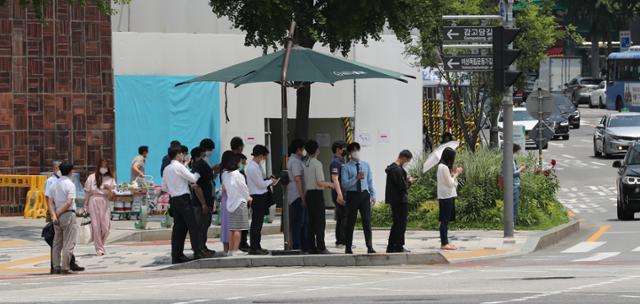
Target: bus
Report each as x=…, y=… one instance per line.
x=623, y=81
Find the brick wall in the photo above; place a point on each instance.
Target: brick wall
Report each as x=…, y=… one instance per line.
x=56, y=91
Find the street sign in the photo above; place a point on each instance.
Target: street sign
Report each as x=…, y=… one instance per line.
x=541, y=134
x=468, y=63
x=467, y=33
x=625, y=40
x=540, y=109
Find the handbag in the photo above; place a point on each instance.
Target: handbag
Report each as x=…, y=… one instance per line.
x=48, y=233
x=84, y=234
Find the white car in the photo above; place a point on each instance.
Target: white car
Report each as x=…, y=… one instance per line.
x=520, y=117
x=599, y=96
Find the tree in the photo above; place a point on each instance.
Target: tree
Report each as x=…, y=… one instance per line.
x=601, y=19
x=539, y=32
x=39, y=5
x=333, y=23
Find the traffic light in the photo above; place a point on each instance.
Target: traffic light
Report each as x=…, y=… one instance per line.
x=503, y=57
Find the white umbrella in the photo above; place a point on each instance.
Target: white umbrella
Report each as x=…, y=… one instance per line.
x=434, y=157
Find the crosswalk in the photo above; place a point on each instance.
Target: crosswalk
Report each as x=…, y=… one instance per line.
x=588, y=199
x=592, y=251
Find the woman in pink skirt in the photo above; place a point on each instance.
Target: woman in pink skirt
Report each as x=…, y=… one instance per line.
x=99, y=193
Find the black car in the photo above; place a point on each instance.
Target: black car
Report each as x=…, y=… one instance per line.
x=568, y=110
x=559, y=124
x=628, y=183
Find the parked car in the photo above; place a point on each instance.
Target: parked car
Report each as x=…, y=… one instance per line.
x=628, y=183
x=521, y=117
x=579, y=89
x=598, y=97
x=615, y=133
x=568, y=110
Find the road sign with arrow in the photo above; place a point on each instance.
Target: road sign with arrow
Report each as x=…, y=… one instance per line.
x=468, y=63
x=541, y=134
x=467, y=33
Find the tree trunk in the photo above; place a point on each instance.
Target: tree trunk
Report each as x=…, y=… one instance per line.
x=595, y=56
x=303, y=94
x=303, y=100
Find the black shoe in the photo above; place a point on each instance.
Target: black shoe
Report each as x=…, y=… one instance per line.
x=370, y=250
x=180, y=260
x=392, y=250
x=56, y=270
x=324, y=252
x=244, y=248
x=258, y=252
x=211, y=252
x=76, y=267
x=348, y=251
x=203, y=255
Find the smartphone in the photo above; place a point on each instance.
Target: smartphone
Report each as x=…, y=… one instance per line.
x=277, y=181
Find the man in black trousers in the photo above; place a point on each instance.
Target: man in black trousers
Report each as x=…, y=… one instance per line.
x=176, y=180
x=396, y=195
x=357, y=180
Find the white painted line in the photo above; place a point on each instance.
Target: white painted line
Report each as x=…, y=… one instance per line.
x=585, y=140
x=556, y=144
x=599, y=164
x=234, y=298
x=630, y=297
x=598, y=257
x=583, y=247
x=593, y=188
x=568, y=156
x=637, y=249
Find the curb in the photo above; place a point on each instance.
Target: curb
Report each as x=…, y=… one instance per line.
x=165, y=233
x=315, y=260
x=546, y=239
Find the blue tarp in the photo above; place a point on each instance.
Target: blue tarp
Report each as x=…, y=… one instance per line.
x=150, y=111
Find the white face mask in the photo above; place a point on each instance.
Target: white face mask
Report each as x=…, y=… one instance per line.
x=304, y=153
x=355, y=155
x=186, y=158
x=104, y=171
x=58, y=173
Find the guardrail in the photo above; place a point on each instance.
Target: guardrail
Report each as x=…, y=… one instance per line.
x=35, y=183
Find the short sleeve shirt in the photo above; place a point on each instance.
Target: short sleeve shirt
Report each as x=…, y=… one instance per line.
x=49, y=185
x=206, y=179
x=63, y=190
x=295, y=168
x=138, y=162
x=336, y=167
x=313, y=174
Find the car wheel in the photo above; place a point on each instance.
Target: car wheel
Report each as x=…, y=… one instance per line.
x=596, y=153
x=566, y=137
x=619, y=211
x=604, y=149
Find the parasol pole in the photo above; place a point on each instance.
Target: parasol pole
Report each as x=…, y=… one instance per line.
x=283, y=87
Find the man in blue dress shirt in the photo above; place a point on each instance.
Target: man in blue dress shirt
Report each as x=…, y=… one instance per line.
x=357, y=181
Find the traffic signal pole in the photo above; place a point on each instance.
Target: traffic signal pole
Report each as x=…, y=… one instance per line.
x=507, y=147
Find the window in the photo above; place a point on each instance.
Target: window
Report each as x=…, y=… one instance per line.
x=624, y=121
x=625, y=70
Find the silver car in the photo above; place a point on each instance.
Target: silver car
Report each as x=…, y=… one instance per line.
x=615, y=133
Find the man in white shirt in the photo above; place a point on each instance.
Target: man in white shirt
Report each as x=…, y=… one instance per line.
x=176, y=180
x=62, y=209
x=259, y=190
x=48, y=189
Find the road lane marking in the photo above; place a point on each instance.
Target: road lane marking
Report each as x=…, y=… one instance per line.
x=583, y=247
x=568, y=156
x=598, y=257
x=599, y=233
x=637, y=249
x=599, y=164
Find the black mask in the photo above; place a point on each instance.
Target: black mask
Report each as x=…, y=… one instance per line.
x=344, y=153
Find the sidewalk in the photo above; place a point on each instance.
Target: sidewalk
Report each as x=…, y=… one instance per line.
x=22, y=251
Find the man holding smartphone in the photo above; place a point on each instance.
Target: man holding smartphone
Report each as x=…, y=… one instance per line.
x=357, y=180
x=259, y=190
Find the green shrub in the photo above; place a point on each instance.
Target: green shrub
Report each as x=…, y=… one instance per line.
x=479, y=204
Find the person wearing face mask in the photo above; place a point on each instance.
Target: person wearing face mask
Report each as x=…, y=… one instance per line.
x=516, y=182
x=62, y=208
x=298, y=222
x=176, y=179
x=99, y=189
x=186, y=157
x=314, y=185
x=138, y=162
x=339, y=149
x=259, y=189
x=237, y=146
x=357, y=180
x=396, y=195
x=48, y=191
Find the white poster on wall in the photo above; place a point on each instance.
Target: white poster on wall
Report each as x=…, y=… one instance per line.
x=364, y=138
x=251, y=140
x=632, y=94
x=519, y=137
